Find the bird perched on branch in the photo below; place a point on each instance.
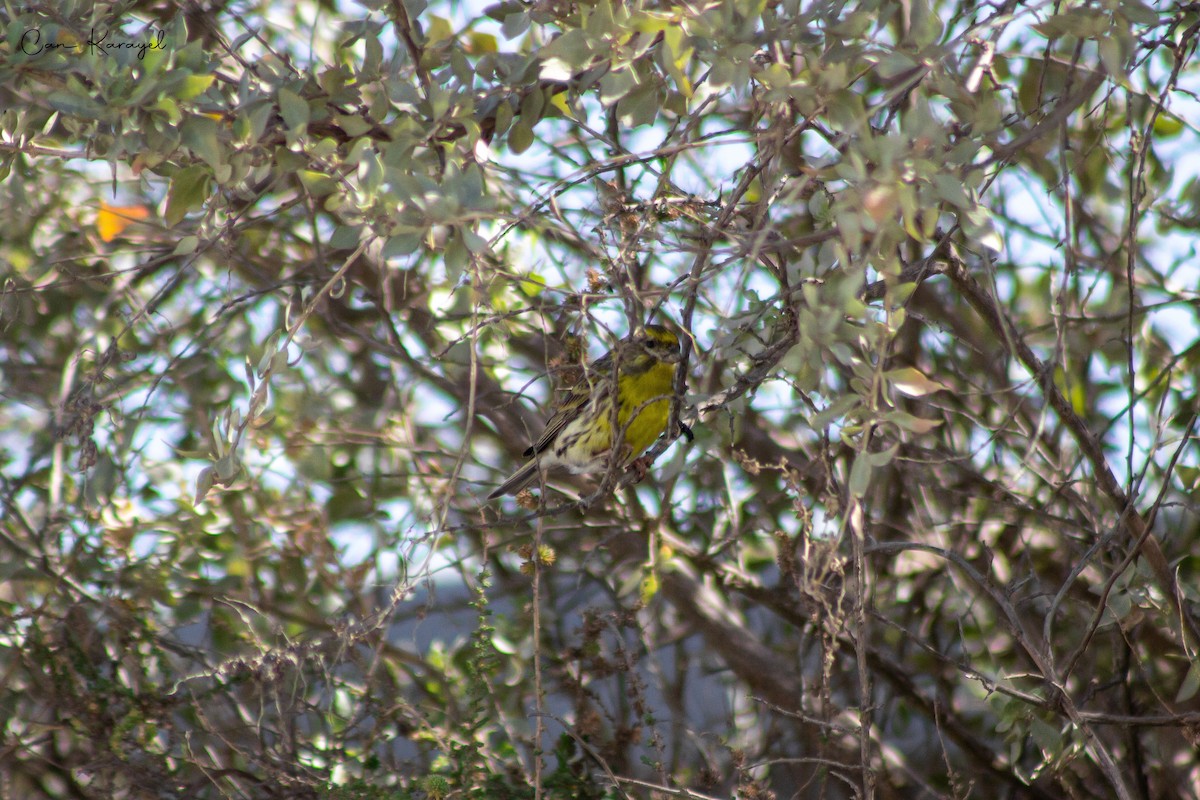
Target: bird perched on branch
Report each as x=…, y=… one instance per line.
x=580, y=434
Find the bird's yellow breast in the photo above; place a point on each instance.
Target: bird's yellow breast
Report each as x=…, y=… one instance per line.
x=645, y=406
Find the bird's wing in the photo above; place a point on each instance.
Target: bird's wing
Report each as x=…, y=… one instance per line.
x=595, y=380
x=570, y=408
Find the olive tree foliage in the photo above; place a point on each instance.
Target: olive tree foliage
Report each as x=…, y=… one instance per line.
x=287, y=290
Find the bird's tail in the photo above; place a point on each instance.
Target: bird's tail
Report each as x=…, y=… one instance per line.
x=519, y=480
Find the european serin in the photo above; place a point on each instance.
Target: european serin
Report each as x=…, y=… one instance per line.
x=580, y=434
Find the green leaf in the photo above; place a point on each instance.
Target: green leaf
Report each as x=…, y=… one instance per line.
x=294, y=111
x=317, y=183
x=515, y=24
x=189, y=189
x=1047, y=737
x=980, y=228
x=482, y=43
x=649, y=587
x=187, y=245
x=532, y=107
x=1188, y=475
x=640, y=107
x=911, y=382
x=456, y=257
x=950, y=189
x=566, y=55
x=228, y=466
x=860, y=475
x=616, y=85
x=520, y=137
x=169, y=107
x=354, y=125
x=473, y=241
x=402, y=244
x=193, y=86
x=200, y=135
x=907, y=422
x=883, y=457
x=259, y=115
x=74, y=104
x=1139, y=13
x=1112, y=57
x=345, y=237
x=532, y=285
x=204, y=483
x=1167, y=125
x=1190, y=684
x=836, y=411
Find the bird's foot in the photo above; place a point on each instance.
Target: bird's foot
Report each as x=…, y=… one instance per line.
x=639, y=467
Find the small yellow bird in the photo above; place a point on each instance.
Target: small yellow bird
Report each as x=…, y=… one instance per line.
x=579, y=436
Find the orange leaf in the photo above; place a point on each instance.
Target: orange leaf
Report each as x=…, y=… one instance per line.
x=112, y=220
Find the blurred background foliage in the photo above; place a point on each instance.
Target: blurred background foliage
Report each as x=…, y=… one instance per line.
x=286, y=289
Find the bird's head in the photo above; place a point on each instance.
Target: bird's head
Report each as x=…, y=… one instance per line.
x=653, y=344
